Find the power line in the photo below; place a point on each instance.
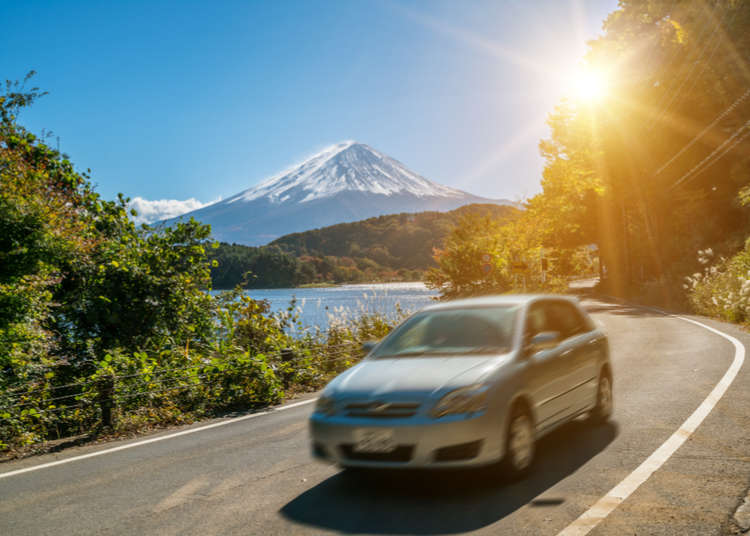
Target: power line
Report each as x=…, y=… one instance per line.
x=729, y=144
x=709, y=127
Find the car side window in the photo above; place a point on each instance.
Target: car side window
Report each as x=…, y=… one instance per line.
x=536, y=320
x=567, y=319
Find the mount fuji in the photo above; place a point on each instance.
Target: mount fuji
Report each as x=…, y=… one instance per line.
x=346, y=182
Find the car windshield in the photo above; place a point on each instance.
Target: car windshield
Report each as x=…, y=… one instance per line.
x=464, y=331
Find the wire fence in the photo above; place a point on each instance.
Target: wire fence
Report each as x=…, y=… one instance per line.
x=43, y=384
x=105, y=397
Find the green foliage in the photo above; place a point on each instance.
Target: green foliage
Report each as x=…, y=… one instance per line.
x=77, y=279
x=460, y=271
x=480, y=254
x=254, y=267
x=135, y=286
x=76, y=276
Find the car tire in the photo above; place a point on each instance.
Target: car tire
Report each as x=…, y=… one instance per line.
x=603, y=409
x=520, y=443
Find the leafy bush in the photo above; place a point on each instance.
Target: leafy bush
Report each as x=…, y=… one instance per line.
x=722, y=288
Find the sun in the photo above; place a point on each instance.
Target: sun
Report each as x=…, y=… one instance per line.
x=588, y=85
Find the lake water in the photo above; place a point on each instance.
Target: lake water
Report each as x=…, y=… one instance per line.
x=319, y=305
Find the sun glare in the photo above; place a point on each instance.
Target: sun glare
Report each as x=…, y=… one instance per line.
x=588, y=86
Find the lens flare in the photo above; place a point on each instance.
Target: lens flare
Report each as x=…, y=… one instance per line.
x=589, y=85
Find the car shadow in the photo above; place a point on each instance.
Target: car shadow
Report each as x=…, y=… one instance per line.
x=444, y=502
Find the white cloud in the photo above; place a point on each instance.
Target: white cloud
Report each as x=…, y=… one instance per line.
x=160, y=209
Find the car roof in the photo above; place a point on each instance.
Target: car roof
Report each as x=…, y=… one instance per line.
x=498, y=300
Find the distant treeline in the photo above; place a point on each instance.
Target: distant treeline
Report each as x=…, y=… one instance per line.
x=397, y=247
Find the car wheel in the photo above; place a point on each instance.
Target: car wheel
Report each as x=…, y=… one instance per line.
x=519, y=443
x=603, y=409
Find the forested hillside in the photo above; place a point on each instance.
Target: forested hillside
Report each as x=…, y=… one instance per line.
x=397, y=247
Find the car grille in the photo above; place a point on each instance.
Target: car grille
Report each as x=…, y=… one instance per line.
x=381, y=410
x=402, y=453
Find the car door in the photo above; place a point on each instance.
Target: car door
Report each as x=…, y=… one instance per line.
x=545, y=370
x=578, y=356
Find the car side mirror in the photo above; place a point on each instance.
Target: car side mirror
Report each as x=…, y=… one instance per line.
x=367, y=346
x=544, y=341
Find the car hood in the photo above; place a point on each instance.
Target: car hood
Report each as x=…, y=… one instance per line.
x=415, y=375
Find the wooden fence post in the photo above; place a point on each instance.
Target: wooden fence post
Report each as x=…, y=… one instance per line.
x=106, y=387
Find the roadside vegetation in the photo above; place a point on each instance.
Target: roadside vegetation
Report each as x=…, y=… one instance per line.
x=722, y=287
x=106, y=327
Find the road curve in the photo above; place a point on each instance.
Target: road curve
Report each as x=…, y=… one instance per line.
x=255, y=476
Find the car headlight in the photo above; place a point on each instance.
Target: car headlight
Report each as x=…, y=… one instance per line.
x=471, y=399
x=325, y=405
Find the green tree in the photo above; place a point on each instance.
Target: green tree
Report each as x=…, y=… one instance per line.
x=77, y=277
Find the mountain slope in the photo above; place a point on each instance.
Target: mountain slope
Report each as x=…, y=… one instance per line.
x=346, y=182
x=393, y=240
x=384, y=248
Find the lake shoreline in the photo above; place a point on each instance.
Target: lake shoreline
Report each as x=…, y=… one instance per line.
x=321, y=306
x=322, y=285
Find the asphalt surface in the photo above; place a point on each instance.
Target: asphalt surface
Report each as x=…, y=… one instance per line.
x=256, y=476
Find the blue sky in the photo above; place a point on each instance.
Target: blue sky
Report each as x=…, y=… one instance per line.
x=177, y=100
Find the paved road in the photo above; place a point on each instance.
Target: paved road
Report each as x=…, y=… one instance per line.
x=256, y=476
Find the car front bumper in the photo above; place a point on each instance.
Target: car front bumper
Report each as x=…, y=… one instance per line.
x=421, y=442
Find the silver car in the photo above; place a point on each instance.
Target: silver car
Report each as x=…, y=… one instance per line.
x=467, y=383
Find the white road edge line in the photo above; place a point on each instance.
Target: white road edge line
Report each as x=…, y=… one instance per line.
x=607, y=504
x=155, y=439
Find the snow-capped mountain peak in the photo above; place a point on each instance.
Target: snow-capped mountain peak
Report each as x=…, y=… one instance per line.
x=345, y=166
x=345, y=182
